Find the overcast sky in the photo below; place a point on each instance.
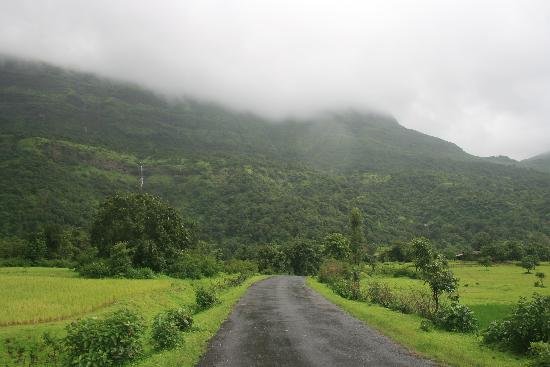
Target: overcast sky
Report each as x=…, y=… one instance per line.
x=476, y=73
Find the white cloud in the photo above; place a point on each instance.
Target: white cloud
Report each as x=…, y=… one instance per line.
x=473, y=72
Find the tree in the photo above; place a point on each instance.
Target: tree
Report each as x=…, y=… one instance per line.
x=422, y=252
x=356, y=235
x=440, y=278
x=120, y=261
x=540, y=282
x=154, y=232
x=337, y=246
x=304, y=257
x=529, y=263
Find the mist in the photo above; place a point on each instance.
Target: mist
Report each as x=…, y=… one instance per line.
x=476, y=73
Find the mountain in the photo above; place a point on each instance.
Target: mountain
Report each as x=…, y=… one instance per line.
x=539, y=162
x=68, y=139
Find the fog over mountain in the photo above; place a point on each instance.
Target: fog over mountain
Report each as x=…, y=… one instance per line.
x=474, y=73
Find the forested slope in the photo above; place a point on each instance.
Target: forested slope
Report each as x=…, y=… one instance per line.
x=68, y=139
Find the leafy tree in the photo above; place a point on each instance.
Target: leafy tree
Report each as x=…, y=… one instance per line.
x=440, y=279
x=304, y=257
x=154, y=232
x=36, y=249
x=529, y=263
x=422, y=252
x=356, y=235
x=120, y=261
x=337, y=246
x=272, y=259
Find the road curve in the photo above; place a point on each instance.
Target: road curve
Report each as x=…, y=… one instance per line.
x=282, y=322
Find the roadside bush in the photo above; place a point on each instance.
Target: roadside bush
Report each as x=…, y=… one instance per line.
x=165, y=332
x=181, y=317
x=234, y=280
x=455, y=317
x=111, y=341
x=235, y=266
x=332, y=270
x=194, y=266
x=348, y=289
x=205, y=298
x=540, y=351
x=528, y=323
x=96, y=269
x=380, y=293
x=426, y=325
x=167, y=327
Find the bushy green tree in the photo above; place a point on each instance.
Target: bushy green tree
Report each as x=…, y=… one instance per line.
x=336, y=246
x=356, y=234
x=440, y=278
x=304, y=257
x=154, y=232
x=529, y=263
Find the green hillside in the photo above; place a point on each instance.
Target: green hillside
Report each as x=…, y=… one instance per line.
x=539, y=162
x=68, y=139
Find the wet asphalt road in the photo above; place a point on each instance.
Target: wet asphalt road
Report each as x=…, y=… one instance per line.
x=282, y=322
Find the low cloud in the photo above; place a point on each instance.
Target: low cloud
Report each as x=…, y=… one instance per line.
x=473, y=72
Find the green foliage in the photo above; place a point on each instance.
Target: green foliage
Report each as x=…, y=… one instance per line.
x=194, y=265
x=528, y=323
x=540, y=279
x=540, y=352
x=246, y=267
x=356, y=235
x=304, y=257
x=331, y=270
x=167, y=326
x=110, y=341
x=529, y=263
x=455, y=317
x=84, y=136
x=205, y=298
x=337, y=246
x=96, y=269
x=154, y=232
x=120, y=261
x=272, y=259
x=422, y=252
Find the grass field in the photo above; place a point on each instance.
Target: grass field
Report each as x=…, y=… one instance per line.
x=36, y=300
x=490, y=292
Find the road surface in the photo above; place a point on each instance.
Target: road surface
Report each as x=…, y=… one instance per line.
x=282, y=322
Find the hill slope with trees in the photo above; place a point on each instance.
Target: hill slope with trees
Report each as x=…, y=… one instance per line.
x=69, y=139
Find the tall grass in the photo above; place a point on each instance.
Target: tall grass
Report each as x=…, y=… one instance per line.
x=37, y=295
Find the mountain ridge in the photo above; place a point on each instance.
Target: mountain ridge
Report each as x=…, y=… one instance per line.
x=68, y=139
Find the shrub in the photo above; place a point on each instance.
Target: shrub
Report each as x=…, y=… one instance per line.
x=234, y=280
x=140, y=273
x=348, y=289
x=240, y=266
x=205, y=298
x=455, y=317
x=111, y=341
x=333, y=270
x=181, y=317
x=426, y=325
x=194, y=266
x=96, y=269
x=540, y=351
x=528, y=323
x=380, y=293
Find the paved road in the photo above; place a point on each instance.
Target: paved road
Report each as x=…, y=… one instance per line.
x=282, y=322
